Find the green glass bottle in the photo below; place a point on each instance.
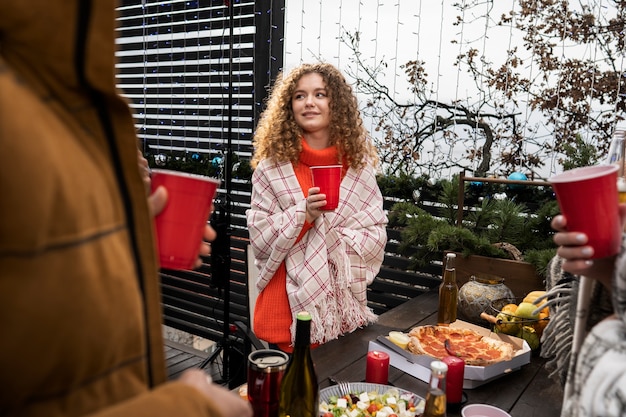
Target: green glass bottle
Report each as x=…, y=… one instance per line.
x=299, y=391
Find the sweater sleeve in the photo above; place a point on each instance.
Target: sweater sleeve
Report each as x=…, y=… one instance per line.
x=276, y=218
x=170, y=399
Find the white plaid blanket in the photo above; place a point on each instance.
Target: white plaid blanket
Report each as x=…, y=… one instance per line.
x=329, y=269
x=597, y=382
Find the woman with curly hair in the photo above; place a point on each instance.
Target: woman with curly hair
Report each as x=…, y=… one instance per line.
x=309, y=259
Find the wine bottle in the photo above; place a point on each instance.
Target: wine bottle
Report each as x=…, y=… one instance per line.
x=299, y=391
x=448, y=293
x=436, y=395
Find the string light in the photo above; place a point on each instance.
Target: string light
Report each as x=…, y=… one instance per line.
x=338, y=57
x=593, y=78
x=302, y=30
x=562, y=69
x=436, y=147
x=319, y=34
x=458, y=77
x=395, y=57
x=375, y=39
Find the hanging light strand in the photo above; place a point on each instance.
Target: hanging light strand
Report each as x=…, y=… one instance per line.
x=458, y=72
x=395, y=72
x=438, y=76
x=338, y=57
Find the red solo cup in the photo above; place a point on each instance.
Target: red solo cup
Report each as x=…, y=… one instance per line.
x=180, y=226
x=328, y=179
x=588, y=199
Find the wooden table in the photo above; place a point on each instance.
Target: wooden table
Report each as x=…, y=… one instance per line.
x=523, y=393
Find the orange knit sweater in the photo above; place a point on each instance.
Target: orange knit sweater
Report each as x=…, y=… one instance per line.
x=272, y=313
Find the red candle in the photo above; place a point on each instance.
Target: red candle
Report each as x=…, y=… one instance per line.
x=454, y=379
x=377, y=369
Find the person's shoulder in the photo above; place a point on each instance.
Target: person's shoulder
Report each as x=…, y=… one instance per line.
x=269, y=163
x=272, y=169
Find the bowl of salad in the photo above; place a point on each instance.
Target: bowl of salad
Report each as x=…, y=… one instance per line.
x=368, y=400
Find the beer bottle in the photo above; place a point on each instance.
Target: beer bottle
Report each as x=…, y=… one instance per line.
x=436, y=395
x=448, y=293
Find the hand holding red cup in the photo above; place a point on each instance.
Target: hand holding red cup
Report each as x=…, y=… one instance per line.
x=588, y=199
x=181, y=224
x=328, y=179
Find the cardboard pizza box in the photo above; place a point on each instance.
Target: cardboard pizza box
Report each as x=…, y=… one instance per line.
x=474, y=376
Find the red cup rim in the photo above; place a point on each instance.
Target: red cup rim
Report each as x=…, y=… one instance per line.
x=583, y=173
x=185, y=175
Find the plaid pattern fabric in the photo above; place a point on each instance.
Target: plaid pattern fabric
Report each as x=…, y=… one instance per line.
x=598, y=380
x=329, y=269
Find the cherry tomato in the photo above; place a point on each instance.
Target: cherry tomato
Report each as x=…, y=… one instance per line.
x=328, y=414
x=393, y=415
x=373, y=408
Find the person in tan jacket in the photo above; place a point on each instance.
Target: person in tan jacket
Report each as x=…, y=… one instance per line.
x=80, y=311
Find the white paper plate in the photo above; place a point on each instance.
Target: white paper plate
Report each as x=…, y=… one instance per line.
x=358, y=387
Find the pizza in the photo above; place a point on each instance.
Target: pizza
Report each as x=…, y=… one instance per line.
x=474, y=348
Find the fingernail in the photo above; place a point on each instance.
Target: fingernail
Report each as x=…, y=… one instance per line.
x=588, y=262
x=580, y=237
x=587, y=251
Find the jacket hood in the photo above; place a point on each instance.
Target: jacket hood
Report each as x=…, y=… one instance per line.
x=58, y=47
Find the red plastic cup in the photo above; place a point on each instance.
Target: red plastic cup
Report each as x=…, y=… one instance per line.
x=180, y=226
x=588, y=199
x=328, y=179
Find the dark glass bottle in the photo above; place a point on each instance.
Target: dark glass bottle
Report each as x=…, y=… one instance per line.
x=436, y=395
x=448, y=293
x=299, y=391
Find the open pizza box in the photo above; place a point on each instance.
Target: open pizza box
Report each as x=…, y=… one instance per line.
x=474, y=376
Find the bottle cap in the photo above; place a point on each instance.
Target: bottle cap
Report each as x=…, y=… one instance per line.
x=304, y=316
x=438, y=367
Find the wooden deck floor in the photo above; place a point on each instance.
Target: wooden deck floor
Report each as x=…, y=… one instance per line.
x=181, y=357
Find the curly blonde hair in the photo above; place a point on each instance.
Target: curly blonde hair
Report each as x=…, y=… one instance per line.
x=279, y=137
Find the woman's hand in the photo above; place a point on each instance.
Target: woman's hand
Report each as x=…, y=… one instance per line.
x=572, y=247
x=577, y=254
x=227, y=402
x=314, y=202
